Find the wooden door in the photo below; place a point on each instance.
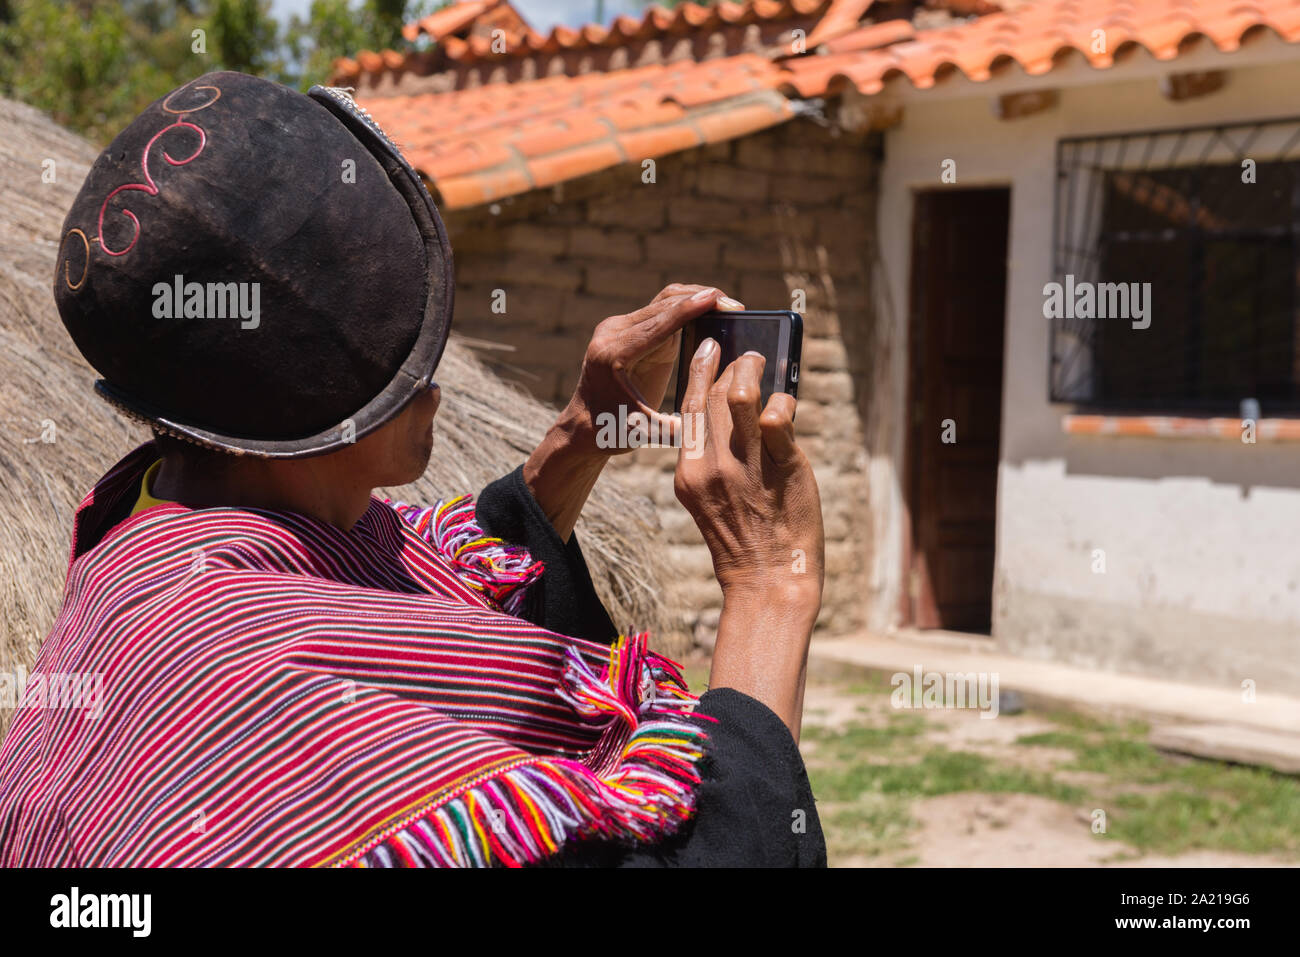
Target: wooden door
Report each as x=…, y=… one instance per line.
x=958, y=313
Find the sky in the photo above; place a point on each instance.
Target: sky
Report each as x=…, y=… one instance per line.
x=541, y=14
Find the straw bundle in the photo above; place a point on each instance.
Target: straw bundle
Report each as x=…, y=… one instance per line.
x=57, y=438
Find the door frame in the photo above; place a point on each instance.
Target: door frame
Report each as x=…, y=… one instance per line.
x=912, y=412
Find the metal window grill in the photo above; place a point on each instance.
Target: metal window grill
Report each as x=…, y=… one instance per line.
x=1172, y=211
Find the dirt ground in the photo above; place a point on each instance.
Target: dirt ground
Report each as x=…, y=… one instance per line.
x=971, y=829
x=1024, y=830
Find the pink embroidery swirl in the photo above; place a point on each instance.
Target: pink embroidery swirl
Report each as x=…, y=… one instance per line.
x=149, y=186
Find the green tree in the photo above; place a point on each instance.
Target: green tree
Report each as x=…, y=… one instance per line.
x=338, y=28
x=94, y=65
x=245, y=36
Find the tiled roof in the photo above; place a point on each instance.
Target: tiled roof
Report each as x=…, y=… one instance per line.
x=448, y=20
x=1036, y=35
x=831, y=16
x=497, y=139
x=482, y=144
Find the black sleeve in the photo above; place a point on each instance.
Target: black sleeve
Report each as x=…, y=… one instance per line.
x=564, y=599
x=755, y=807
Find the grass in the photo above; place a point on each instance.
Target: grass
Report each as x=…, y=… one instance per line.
x=1170, y=805
x=846, y=744
x=868, y=773
x=871, y=824
x=939, y=771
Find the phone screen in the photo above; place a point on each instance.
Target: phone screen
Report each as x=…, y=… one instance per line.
x=738, y=333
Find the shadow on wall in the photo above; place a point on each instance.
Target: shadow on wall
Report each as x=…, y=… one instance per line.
x=1223, y=461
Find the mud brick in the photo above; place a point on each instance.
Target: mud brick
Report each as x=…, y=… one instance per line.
x=640, y=206
x=826, y=386
x=501, y=272
x=591, y=242
x=688, y=248
x=822, y=355
x=809, y=189
x=730, y=182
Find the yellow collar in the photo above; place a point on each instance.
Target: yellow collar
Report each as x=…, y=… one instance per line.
x=146, y=499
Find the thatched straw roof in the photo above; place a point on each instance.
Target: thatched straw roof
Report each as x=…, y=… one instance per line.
x=484, y=428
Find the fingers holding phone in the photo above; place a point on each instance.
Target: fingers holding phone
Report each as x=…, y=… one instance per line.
x=776, y=335
x=748, y=486
x=743, y=394
x=628, y=364
x=777, y=423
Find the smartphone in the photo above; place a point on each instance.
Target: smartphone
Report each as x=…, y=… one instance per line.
x=777, y=334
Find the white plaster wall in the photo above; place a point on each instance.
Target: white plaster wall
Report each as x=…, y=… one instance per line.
x=1202, y=538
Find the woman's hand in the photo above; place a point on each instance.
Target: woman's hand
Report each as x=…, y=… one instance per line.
x=630, y=359
x=751, y=489
x=753, y=496
x=626, y=369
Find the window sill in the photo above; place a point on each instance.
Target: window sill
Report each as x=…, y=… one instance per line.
x=1179, y=427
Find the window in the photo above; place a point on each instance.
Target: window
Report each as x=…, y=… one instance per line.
x=1190, y=242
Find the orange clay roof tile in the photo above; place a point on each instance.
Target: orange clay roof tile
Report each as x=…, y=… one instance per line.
x=869, y=38
x=840, y=18
x=520, y=136
x=483, y=143
x=659, y=141
x=570, y=164
x=739, y=121
x=484, y=187
x=469, y=158
x=1036, y=35
x=447, y=20
x=628, y=116
x=560, y=134
x=836, y=16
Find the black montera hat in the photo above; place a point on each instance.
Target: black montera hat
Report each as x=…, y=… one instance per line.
x=256, y=270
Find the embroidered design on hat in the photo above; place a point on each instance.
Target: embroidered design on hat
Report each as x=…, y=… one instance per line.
x=149, y=186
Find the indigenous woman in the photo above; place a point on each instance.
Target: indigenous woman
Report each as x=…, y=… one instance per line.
x=295, y=672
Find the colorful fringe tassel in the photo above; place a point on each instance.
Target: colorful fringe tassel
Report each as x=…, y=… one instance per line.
x=488, y=565
x=639, y=783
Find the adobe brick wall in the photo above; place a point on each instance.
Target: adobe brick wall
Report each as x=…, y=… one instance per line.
x=761, y=217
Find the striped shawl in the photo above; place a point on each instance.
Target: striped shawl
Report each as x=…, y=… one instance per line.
x=273, y=691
